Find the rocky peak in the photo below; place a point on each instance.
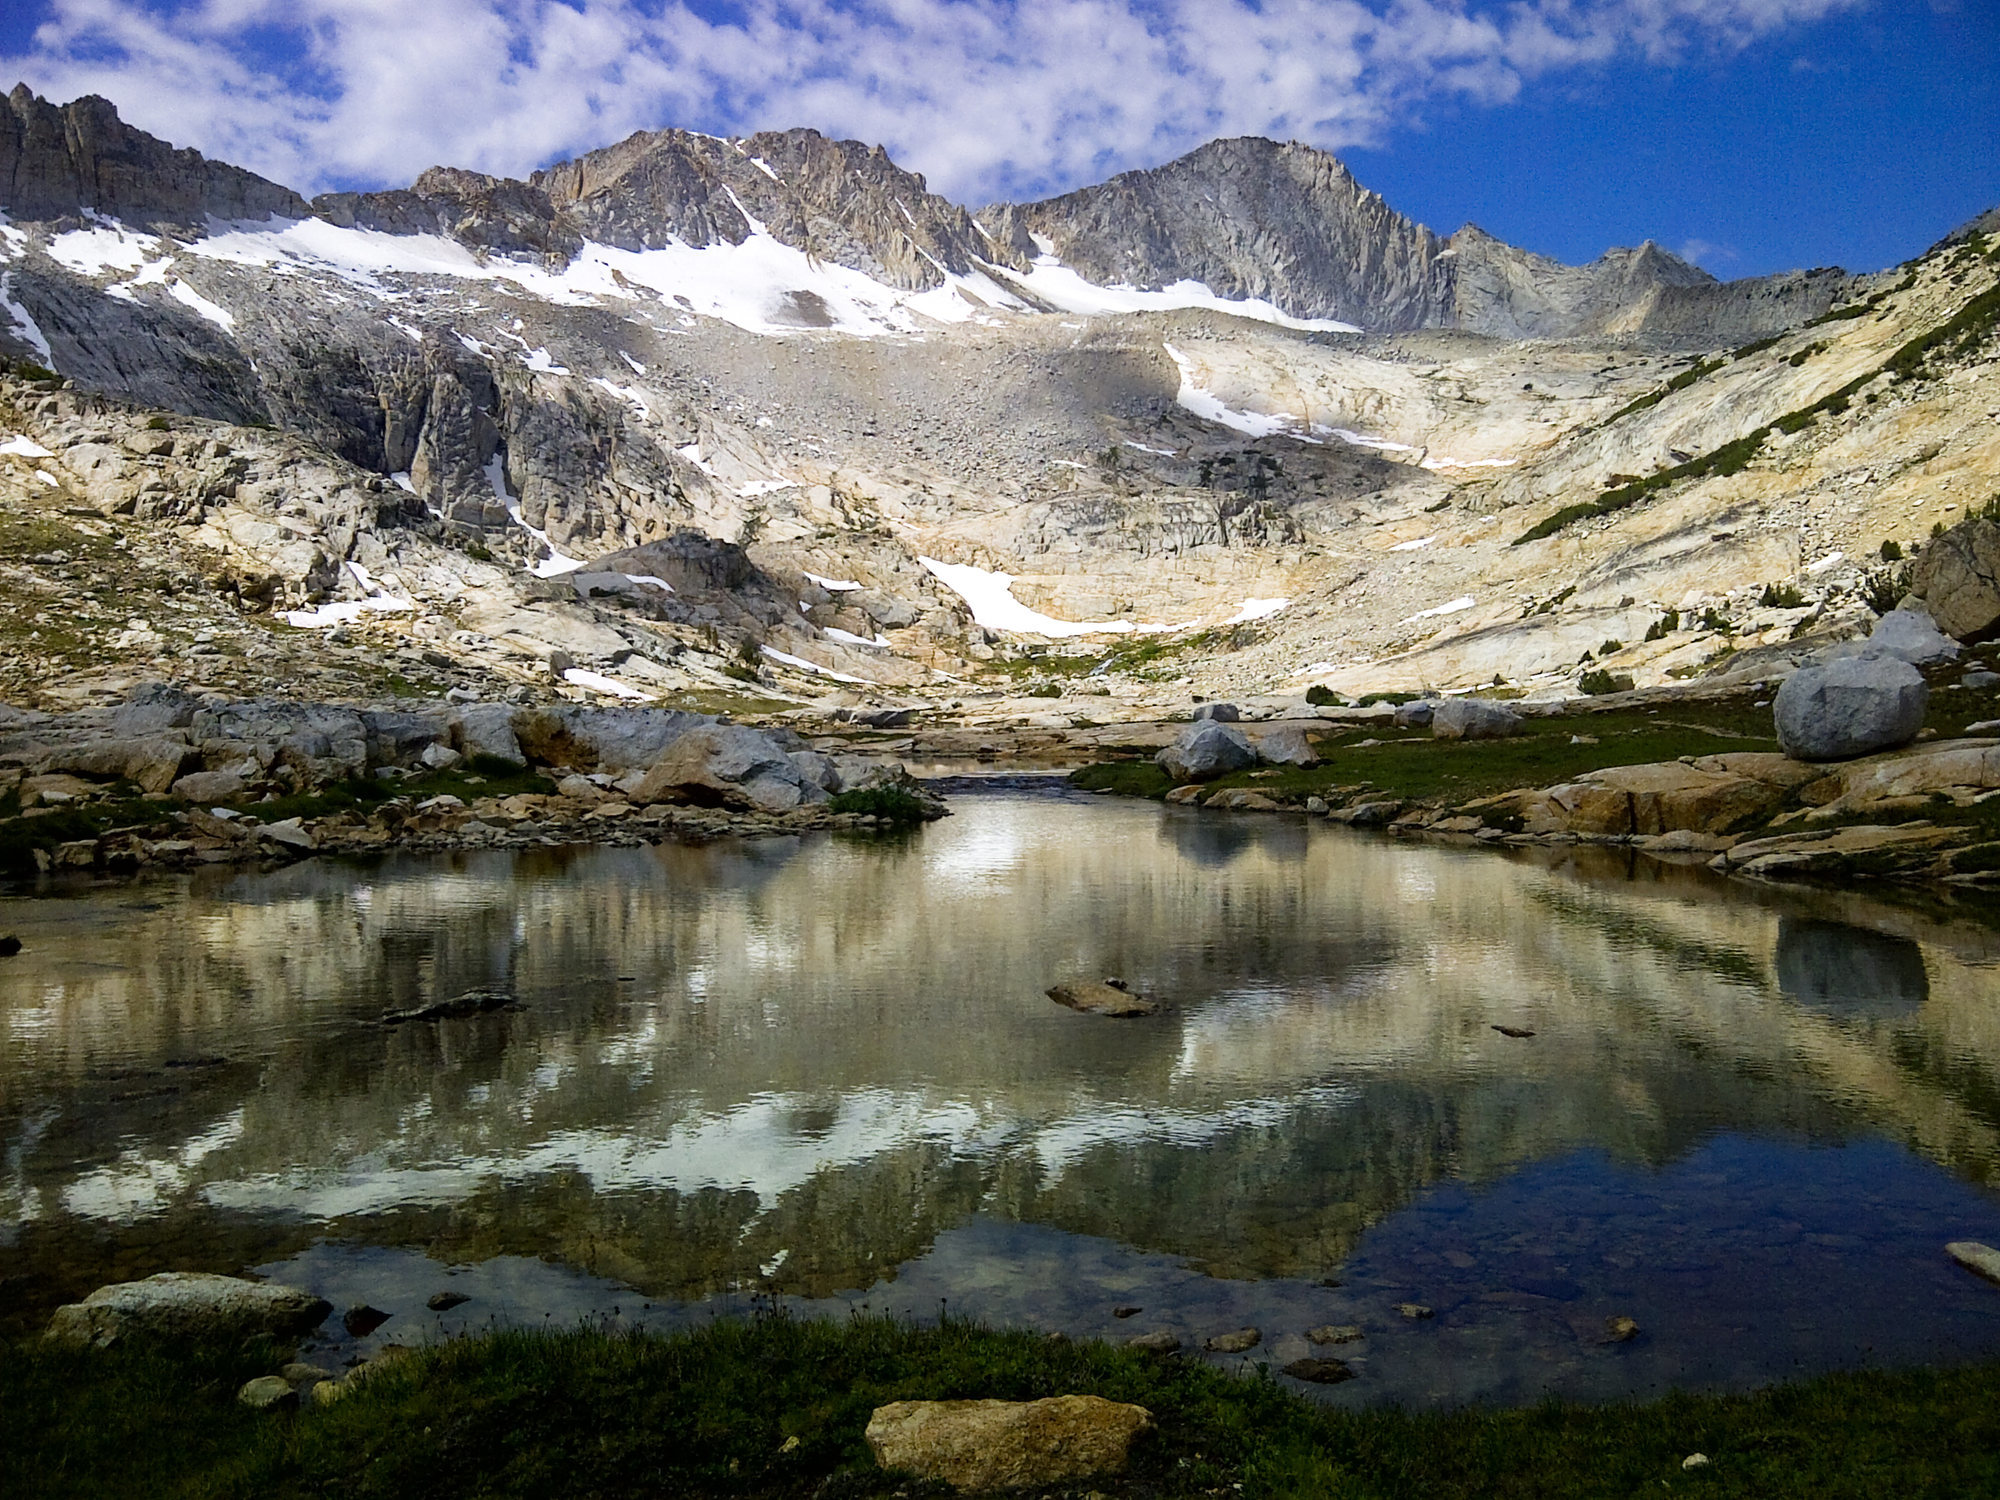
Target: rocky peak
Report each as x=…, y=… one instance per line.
x=1248, y=217
x=839, y=201
x=499, y=214
x=59, y=161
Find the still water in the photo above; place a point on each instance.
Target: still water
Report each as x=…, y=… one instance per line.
x=823, y=1070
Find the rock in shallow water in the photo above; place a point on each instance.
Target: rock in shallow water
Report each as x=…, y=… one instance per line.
x=1103, y=998
x=1242, y=1341
x=1981, y=1260
x=1320, y=1371
x=188, y=1305
x=996, y=1445
x=1334, y=1333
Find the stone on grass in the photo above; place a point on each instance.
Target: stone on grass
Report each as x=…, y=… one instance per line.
x=268, y=1393
x=1103, y=997
x=1473, y=719
x=190, y=1305
x=1205, y=750
x=1287, y=745
x=1416, y=715
x=1221, y=713
x=1849, y=707
x=487, y=729
x=446, y=1301
x=1004, y=1445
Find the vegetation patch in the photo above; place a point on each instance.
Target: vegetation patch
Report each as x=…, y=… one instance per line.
x=776, y=1407
x=890, y=804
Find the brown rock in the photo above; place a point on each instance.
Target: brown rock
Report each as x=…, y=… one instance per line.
x=1002, y=1445
x=1620, y=1330
x=1242, y=1341
x=1103, y=998
x=1319, y=1371
x=1334, y=1333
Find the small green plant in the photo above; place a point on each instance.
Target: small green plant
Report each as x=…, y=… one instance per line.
x=1610, y=648
x=1892, y=551
x=1599, y=682
x=1713, y=619
x=1781, y=596
x=1937, y=530
x=1665, y=626
x=1319, y=695
x=1885, y=588
x=1045, y=690
x=888, y=804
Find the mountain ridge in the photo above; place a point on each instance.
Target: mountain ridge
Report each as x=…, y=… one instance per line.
x=1246, y=217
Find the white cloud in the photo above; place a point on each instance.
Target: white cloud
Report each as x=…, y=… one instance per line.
x=988, y=97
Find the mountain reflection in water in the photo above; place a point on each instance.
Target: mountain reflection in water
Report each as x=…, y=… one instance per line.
x=804, y=1064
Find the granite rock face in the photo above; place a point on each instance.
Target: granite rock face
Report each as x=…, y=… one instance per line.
x=58, y=160
x=1958, y=578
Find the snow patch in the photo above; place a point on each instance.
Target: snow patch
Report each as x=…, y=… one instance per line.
x=25, y=327
x=188, y=297
x=852, y=639
x=401, y=478
x=1830, y=560
x=1206, y=404
x=24, y=447
x=649, y=580
x=1451, y=607
x=758, y=487
x=991, y=598
x=555, y=564
x=1162, y=452
x=812, y=666
x=1060, y=287
x=345, y=610
x=833, y=585
x=1416, y=546
x=109, y=247
x=1256, y=609
x=598, y=683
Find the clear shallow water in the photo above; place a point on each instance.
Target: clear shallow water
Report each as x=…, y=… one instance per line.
x=824, y=1069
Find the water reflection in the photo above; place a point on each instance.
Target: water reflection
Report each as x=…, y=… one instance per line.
x=808, y=1064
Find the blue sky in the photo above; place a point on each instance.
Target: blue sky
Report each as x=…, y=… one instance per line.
x=1755, y=135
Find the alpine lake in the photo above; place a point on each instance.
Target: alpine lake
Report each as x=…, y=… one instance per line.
x=823, y=1074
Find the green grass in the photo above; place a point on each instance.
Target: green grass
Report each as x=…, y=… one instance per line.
x=712, y=1412
x=1414, y=767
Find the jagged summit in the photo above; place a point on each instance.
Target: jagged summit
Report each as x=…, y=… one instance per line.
x=59, y=161
x=1243, y=218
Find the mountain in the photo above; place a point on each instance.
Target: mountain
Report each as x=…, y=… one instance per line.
x=57, y=162
x=1288, y=223
x=508, y=418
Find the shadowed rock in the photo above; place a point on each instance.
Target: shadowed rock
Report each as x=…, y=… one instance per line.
x=1004, y=1445
x=188, y=1305
x=1107, y=997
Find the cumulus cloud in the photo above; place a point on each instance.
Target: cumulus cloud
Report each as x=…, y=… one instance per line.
x=989, y=98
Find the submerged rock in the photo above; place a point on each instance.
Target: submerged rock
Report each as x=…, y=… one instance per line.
x=1334, y=1333
x=188, y=1305
x=1002, y=1445
x=361, y=1320
x=1242, y=1341
x=1319, y=1371
x=471, y=1003
x=1159, y=1341
x=1105, y=997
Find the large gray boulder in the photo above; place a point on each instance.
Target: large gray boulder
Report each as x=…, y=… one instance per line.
x=1287, y=745
x=487, y=729
x=601, y=739
x=188, y=1305
x=1958, y=577
x=1205, y=750
x=1852, y=706
x=731, y=764
x=1473, y=719
x=153, y=763
x=1222, y=713
x=1906, y=634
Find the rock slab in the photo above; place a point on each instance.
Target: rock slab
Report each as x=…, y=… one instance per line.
x=188, y=1305
x=1473, y=719
x=1981, y=1260
x=1004, y=1445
